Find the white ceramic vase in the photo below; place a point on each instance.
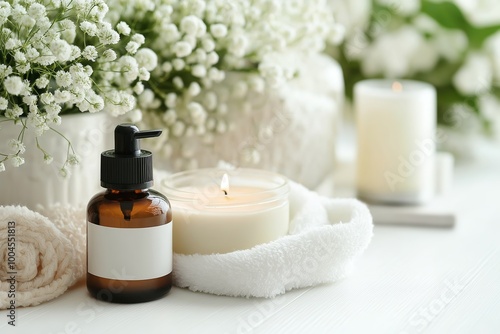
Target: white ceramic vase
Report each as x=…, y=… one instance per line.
x=35, y=183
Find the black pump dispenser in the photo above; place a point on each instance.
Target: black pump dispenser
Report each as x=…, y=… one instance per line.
x=127, y=167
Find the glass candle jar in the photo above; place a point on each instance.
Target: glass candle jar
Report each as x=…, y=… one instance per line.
x=217, y=211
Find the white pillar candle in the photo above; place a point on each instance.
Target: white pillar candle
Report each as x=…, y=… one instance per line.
x=396, y=125
x=215, y=212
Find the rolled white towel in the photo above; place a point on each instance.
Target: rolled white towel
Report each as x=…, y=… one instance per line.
x=44, y=265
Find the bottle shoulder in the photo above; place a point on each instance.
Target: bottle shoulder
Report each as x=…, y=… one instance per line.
x=129, y=208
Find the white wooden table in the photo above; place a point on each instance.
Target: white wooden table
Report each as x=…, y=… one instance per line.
x=410, y=280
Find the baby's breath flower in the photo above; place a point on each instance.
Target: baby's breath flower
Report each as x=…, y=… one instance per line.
x=123, y=28
x=138, y=38
x=64, y=172
x=146, y=58
x=17, y=161
x=108, y=55
x=13, y=85
x=90, y=53
x=17, y=146
x=178, y=64
x=199, y=71
x=182, y=49
x=218, y=30
x=73, y=160
x=47, y=158
x=88, y=28
x=2, y=167
x=3, y=103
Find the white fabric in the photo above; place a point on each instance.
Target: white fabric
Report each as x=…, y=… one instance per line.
x=325, y=236
x=45, y=259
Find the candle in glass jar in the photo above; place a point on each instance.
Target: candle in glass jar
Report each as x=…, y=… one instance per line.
x=396, y=125
x=215, y=212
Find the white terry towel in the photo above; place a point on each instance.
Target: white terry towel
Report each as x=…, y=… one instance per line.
x=48, y=254
x=325, y=236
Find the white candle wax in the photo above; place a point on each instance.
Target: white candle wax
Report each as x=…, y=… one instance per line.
x=206, y=220
x=396, y=125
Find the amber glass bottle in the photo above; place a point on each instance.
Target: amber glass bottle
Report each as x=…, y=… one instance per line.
x=129, y=226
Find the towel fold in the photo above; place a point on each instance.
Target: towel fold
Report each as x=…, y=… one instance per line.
x=325, y=236
x=36, y=258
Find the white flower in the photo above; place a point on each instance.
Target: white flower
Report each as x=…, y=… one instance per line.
x=36, y=10
x=5, y=71
x=132, y=47
x=17, y=161
x=212, y=58
x=337, y=34
x=135, y=115
x=178, y=83
x=30, y=100
x=63, y=79
x=64, y=172
x=12, y=43
x=138, y=38
x=138, y=88
x=47, y=98
x=42, y=82
x=61, y=50
x=107, y=35
x=89, y=28
x=256, y=84
x=238, y=45
x=169, y=117
x=129, y=67
x=17, y=146
x=3, y=103
x=123, y=28
x=47, y=158
x=218, y=30
x=109, y=55
x=178, y=64
x=90, y=53
x=190, y=24
x=199, y=71
x=13, y=85
x=475, y=76
x=144, y=74
x=171, y=33
x=194, y=89
x=73, y=160
x=182, y=49
x=208, y=44
x=178, y=128
x=210, y=100
x=197, y=113
x=2, y=167
x=171, y=100
x=450, y=43
x=146, y=58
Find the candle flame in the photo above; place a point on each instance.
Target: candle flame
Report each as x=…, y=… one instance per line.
x=397, y=86
x=224, y=184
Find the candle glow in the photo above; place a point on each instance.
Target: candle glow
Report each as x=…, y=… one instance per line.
x=397, y=86
x=224, y=184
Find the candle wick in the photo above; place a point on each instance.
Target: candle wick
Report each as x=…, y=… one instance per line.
x=225, y=192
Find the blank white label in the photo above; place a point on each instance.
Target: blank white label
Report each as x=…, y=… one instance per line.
x=129, y=253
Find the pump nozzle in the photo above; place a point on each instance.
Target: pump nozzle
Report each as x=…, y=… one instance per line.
x=127, y=139
x=127, y=166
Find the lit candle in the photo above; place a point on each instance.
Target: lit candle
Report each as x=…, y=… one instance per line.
x=218, y=212
x=396, y=125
